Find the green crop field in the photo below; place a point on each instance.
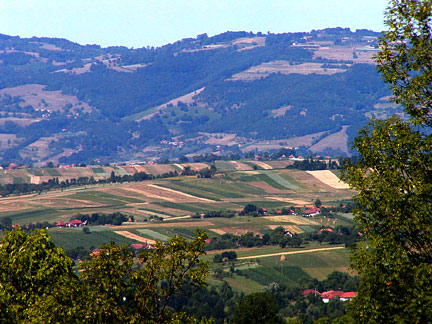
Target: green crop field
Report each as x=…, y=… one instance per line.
x=53, y=172
x=225, y=166
x=271, y=189
x=69, y=238
x=283, y=274
x=152, y=234
x=189, y=189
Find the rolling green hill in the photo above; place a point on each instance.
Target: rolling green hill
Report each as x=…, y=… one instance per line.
x=232, y=93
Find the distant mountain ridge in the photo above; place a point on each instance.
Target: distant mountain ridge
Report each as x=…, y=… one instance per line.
x=234, y=92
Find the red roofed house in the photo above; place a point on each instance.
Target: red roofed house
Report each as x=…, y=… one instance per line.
x=311, y=212
x=61, y=225
x=75, y=223
x=348, y=295
x=262, y=210
x=325, y=229
x=308, y=292
x=137, y=246
x=327, y=295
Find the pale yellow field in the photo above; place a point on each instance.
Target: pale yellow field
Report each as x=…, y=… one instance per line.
x=146, y=193
x=135, y=237
x=217, y=231
x=298, y=220
x=291, y=228
x=251, y=172
x=329, y=178
x=284, y=67
x=290, y=200
x=263, y=165
x=241, y=166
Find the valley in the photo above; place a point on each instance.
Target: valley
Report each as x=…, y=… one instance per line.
x=159, y=208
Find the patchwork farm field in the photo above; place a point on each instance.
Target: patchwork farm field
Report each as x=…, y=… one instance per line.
x=183, y=196
x=162, y=208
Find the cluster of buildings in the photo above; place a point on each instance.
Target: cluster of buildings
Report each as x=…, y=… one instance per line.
x=72, y=223
x=328, y=295
x=311, y=212
x=172, y=143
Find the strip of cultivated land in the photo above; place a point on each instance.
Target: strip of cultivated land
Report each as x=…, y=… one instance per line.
x=162, y=208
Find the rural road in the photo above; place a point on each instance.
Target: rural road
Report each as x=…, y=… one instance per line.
x=287, y=253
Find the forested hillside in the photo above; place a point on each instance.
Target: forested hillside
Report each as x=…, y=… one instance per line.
x=235, y=92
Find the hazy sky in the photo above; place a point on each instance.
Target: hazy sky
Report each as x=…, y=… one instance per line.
x=141, y=23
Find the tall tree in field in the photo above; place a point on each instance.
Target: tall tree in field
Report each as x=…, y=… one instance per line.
x=394, y=179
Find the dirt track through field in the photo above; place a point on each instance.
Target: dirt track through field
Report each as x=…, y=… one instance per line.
x=288, y=253
x=135, y=237
x=181, y=193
